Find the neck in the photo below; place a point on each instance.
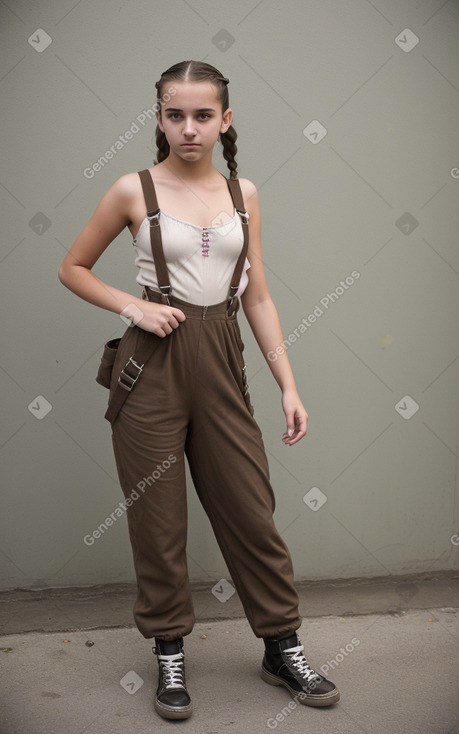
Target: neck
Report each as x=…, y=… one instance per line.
x=190, y=170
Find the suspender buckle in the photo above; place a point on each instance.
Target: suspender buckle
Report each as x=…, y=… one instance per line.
x=165, y=292
x=153, y=217
x=232, y=298
x=126, y=380
x=245, y=216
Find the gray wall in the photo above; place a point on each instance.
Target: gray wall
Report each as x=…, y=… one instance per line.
x=372, y=490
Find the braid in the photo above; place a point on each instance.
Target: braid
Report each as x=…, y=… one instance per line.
x=228, y=141
x=162, y=145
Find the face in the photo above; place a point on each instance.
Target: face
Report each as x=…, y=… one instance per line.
x=193, y=119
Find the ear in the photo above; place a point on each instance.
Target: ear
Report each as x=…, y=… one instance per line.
x=158, y=120
x=227, y=120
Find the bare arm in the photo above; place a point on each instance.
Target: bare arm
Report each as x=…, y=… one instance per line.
x=109, y=219
x=264, y=321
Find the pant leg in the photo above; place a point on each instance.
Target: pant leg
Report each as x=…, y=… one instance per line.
x=148, y=440
x=230, y=472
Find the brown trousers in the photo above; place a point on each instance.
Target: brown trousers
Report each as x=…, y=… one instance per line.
x=192, y=399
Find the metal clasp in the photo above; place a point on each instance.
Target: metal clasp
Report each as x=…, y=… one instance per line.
x=165, y=293
x=245, y=216
x=130, y=380
x=233, y=302
x=154, y=215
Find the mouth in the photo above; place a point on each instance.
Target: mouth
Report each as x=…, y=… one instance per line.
x=190, y=145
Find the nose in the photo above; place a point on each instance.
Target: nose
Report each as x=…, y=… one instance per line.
x=189, y=127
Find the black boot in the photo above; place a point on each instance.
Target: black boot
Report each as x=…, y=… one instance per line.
x=172, y=700
x=284, y=664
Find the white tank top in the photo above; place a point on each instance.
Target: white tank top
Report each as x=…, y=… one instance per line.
x=200, y=260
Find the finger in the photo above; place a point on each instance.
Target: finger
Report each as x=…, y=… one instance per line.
x=289, y=441
x=296, y=437
x=178, y=314
x=172, y=322
x=302, y=425
x=290, y=425
x=299, y=431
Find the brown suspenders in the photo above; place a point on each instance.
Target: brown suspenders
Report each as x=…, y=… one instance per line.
x=134, y=366
x=153, y=215
x=151, y=202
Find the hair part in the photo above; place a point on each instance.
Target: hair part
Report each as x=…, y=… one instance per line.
x=198, y=71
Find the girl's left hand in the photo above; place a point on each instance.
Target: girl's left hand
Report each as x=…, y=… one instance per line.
x=297, y=418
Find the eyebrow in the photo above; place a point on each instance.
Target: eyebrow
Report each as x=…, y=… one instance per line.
x=202, y=109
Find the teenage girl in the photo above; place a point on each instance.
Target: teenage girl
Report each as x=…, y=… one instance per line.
x=191, y=393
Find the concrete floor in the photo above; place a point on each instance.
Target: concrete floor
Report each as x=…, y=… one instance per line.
x=71, y=663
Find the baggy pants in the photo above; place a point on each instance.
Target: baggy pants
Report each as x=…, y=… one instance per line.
x=192, y=399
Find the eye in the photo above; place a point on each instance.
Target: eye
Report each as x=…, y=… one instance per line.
x=204, y=116
x=173, y=116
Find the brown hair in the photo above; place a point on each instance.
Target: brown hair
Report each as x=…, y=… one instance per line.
x=198, y=71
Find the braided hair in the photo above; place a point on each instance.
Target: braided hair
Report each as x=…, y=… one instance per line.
x=198, y=71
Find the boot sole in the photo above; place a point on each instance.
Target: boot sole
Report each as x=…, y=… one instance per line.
x=322, y=699
x=171, y=712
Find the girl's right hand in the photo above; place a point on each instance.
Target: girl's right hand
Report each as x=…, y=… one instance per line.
x=158, y=318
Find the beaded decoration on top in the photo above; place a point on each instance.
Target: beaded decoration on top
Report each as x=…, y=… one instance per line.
x=205, y=242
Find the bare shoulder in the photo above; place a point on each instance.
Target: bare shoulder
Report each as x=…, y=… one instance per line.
x=125, y=197
x=126, y=187
x=248, y=188
x=250, y=196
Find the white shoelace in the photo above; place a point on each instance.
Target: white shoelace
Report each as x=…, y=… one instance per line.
x=172, y=666
x=300, y=663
